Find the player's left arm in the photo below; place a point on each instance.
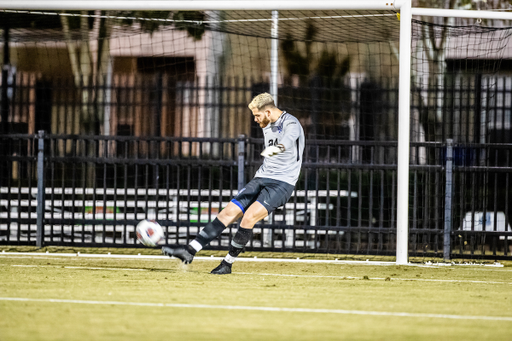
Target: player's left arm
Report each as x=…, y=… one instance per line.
x=291, y=132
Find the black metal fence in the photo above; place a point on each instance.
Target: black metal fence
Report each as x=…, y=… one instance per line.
x=90, y=191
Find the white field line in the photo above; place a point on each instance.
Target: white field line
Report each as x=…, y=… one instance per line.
x=158, y=257
x=244, y=259
x=480, y=269
x=269, y=274
x=269, y=309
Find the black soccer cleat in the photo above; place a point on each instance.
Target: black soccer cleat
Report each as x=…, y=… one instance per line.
x=179, y=252
x=224, y=268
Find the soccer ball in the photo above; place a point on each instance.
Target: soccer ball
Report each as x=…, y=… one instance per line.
x=149, y=232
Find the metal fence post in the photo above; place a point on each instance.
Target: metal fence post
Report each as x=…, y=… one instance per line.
x=448, y=201
x=241, y=162
x=40, y=189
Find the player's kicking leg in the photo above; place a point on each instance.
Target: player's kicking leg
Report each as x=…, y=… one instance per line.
x=186, y=253
x=227, y=216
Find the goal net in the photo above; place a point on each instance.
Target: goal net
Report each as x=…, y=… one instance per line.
x=460, y=120
x=120, y=93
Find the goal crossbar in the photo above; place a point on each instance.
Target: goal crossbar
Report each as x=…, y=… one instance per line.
x=162, y=5
x=455, y=13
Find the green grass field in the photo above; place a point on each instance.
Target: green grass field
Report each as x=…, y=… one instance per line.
x=82, y=298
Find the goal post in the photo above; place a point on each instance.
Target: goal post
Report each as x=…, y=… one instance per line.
x=405, y=43
x=404, y=90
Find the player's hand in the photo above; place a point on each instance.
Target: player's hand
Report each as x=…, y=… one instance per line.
x=272, y=150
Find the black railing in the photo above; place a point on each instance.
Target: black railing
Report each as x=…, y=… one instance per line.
x=96, y=189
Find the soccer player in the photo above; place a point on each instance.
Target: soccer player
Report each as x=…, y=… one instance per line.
x=270, y=188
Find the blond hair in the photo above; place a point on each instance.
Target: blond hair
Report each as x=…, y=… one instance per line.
x=262, y=101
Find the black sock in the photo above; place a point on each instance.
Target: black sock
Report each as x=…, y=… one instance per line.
x=238, y=243
x=210, y=232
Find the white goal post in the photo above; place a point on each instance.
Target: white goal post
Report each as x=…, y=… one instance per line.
x=406, y=13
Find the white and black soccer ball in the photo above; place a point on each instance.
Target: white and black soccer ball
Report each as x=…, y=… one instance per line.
x=149, y=232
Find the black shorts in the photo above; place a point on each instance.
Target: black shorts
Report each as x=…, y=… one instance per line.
x=268, y=192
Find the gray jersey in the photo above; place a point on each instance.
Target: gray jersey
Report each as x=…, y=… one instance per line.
x=284, y=166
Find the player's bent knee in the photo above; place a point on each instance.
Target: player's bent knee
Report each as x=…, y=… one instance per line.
x=230, y=214
x=248, y=222
x=251, y=218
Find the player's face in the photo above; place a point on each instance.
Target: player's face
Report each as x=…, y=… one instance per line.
x=261, y=117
